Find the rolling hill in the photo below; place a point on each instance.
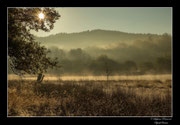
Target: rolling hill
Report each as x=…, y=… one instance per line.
x=91, y=38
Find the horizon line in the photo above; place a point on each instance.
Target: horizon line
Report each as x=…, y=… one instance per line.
x=104, y=30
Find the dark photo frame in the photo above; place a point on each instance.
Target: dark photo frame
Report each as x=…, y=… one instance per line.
x=55, y=3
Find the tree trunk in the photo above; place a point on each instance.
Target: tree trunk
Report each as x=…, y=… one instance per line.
x=107, y=77
x=40, y=78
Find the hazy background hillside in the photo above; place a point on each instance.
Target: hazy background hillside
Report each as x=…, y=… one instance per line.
x=97, y=38
x=117, y=45
x=87, y=52
x=126, y=53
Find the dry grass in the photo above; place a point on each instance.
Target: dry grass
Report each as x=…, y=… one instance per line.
x=162, y=77
x=89, y=98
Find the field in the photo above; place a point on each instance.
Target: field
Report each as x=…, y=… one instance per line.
x=148, y=95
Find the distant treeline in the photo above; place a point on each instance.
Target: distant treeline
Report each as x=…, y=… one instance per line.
x=79, y=62
x=150, y=55
x=139, y=50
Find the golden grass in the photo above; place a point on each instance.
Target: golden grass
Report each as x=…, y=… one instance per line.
x=162, y=77
x=90, y=97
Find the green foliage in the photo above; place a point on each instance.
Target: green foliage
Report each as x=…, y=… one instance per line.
x=25, y=54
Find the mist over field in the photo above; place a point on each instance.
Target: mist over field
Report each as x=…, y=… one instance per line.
x=86, y=52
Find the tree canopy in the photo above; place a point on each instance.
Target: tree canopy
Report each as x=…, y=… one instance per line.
x=25, y=55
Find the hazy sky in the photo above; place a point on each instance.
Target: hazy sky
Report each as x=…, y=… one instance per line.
x=156, y=20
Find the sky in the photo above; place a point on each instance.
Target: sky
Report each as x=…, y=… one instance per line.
x=155, y=20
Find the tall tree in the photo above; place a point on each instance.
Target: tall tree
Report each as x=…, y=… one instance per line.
x=25, y=54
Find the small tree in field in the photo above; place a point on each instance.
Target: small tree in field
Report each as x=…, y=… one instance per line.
x=108, y=71
x=106, y=64
x=25, y=54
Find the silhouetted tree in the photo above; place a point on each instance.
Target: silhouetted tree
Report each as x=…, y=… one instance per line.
x=106, y=65
x=130, y=66
x=146, y=66
x=163, y=64
x=25, y=54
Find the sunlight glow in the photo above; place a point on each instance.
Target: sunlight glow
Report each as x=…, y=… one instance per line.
x=41, y=16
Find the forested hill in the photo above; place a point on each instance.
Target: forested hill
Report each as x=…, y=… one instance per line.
x=126, y=53
x=92, y=38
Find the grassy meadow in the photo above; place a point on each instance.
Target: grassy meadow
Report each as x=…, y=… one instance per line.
x=147, y=95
